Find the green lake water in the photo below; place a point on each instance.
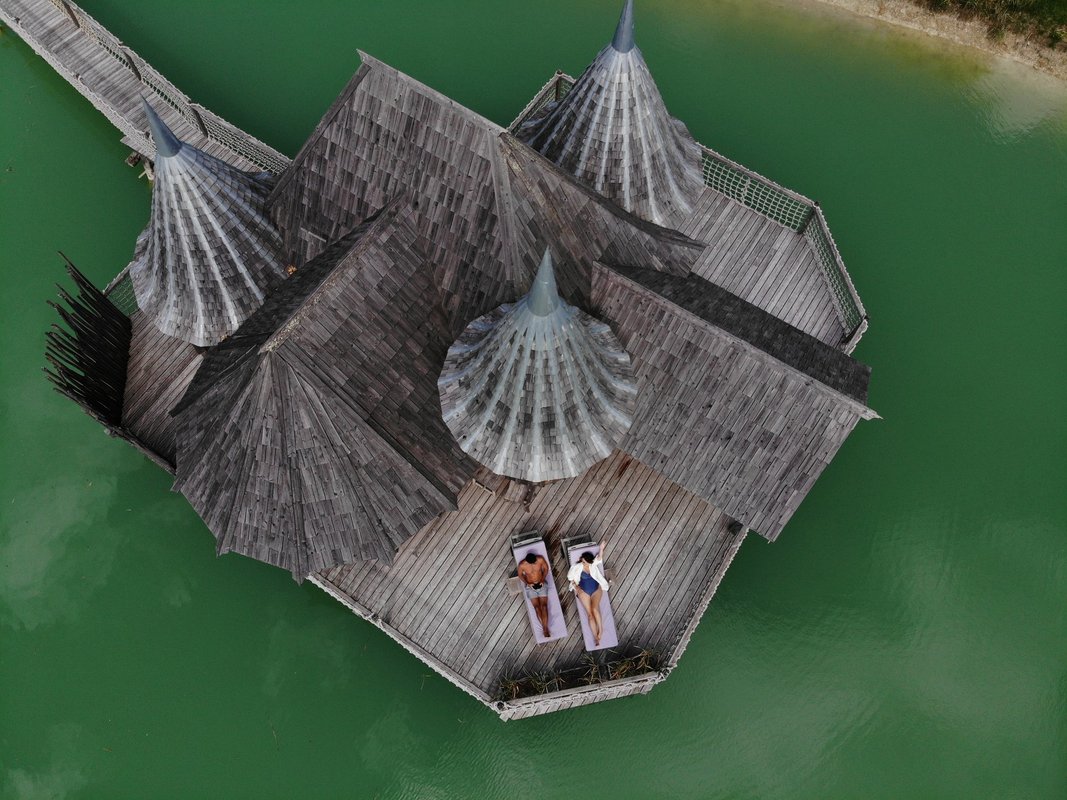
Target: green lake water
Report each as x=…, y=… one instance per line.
x=905, y=638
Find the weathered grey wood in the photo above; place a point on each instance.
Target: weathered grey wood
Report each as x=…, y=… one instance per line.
x=160, y=368
x=311, y=439
x=113, y=78
x=327, y=397
x=209, y=254
x=431, y=601
x=747, y=411
x=537, y=389
x=764, y=263
x=388, y=134
x=614, y=134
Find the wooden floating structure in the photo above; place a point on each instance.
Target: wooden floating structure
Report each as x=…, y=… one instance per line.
x=376, y=364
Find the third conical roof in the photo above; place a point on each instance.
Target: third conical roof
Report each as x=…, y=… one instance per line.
x=538, y=389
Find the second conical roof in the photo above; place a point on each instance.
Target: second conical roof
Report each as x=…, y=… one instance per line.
x=538, y=389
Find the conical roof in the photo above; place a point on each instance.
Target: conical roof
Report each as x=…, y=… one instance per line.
x=613, y=132
x=537, y=389
x=312, y=437
x=210, y=253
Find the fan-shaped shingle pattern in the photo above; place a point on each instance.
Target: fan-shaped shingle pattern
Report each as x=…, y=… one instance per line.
x=537, y=389
x=210, y=253
x=613, y=133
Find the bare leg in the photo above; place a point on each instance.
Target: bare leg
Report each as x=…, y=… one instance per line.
x=540, y=605
x=587, y=604
x=594, y=604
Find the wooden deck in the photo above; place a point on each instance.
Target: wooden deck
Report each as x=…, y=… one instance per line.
x=754, y=255
x=444, y=598
x=765, y=263
x=446, y=589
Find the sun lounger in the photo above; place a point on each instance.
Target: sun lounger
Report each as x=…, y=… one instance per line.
x=531, y=542
x=609, y=637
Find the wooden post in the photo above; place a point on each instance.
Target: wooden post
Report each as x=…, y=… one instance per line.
x=194, y=111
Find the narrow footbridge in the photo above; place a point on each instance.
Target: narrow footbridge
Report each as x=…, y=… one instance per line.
x=114, y=78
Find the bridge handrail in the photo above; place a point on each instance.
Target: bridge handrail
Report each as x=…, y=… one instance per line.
x=210, y=125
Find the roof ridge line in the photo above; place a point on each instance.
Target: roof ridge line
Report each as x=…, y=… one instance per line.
x=310, y=390
x=865, y=411
x=511, y=146
x=295, y=319
x=302, y=551
x=374, y=427
x=374, y=63
x=324, y=121
x=368, y=64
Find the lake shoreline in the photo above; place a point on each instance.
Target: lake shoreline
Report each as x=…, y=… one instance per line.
x=969, y=33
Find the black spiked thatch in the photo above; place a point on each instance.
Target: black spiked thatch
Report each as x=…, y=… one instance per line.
x=88, y=358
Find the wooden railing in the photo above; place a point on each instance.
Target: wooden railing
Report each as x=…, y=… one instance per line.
x=42, y=35
x=798, y=213
x=555, y=90
x=764, y=196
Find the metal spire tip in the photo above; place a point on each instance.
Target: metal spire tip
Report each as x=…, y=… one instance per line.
x=544, y=297
x=167, y=144
x=624, y=34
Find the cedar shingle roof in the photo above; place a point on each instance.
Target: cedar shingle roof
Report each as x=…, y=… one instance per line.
x=210, y=253
x=733, y=404
x=313, y=436
x=764, y=331
x=487, y=206
x=613, y=132
x=717, y=413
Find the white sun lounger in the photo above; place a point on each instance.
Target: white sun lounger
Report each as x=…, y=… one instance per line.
x=609, y=637
x=532, y=542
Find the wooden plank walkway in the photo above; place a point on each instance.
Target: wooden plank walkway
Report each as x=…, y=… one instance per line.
x=765, y=263
x=113, y=78
x=446, y=589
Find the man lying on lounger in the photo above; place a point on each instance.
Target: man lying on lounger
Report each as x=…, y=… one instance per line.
x=533, y=572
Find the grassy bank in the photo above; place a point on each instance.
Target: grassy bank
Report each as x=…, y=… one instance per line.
x=1045, y=20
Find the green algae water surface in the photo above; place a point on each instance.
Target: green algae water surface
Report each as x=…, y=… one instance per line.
x=906, y=637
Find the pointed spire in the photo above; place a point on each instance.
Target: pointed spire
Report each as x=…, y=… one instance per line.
x=538, y=390
x=613, y=133
x=210, y=253
x=544, y=296
x=624, y=33
x=167, y=144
